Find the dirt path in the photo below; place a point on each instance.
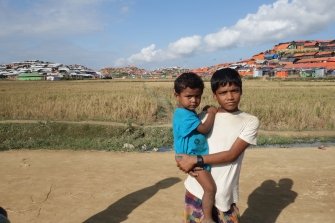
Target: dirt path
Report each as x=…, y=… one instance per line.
x=43, y=186
x=319, y=133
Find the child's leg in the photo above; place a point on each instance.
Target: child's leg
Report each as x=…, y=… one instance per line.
x=205, y=179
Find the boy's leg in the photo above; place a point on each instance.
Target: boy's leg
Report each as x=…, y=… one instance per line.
x=208, y=185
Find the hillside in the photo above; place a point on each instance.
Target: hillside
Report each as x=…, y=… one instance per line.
x=308, y=58
x=304, y=58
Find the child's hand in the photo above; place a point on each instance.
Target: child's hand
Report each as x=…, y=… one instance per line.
x=212, y=109
x=206, y=108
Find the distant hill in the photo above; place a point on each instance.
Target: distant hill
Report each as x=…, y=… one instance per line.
x=302, y=58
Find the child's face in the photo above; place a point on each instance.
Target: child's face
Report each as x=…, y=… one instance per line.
x=228, y=97
x=189, y=98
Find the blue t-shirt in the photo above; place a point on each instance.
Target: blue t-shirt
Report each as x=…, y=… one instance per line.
x=186, y=137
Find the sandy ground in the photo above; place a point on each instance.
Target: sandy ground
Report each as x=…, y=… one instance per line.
x=277, y=185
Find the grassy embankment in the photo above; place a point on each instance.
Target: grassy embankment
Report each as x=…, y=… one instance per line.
x=289, y=111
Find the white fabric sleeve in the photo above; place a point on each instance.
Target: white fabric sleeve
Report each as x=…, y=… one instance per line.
x=249, y=132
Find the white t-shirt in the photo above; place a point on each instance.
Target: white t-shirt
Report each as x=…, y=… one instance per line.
x=227, y=128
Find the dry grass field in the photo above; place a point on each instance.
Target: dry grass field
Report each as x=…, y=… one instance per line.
x=280, y=105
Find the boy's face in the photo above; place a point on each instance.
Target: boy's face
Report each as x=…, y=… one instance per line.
x=189, y=98
x=228, y=97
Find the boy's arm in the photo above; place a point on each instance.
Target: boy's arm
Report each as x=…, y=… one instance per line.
x=227, y=156
x=187, y=163
x=207, y=125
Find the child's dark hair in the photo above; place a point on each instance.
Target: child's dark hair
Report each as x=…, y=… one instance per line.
x=225, y=76
x=188, y=80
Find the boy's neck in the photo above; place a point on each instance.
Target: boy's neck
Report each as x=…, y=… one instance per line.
x=225, y=111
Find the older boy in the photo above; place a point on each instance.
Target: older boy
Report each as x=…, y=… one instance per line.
x=232, y=133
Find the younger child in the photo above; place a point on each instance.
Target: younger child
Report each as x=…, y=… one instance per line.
x=189, y=133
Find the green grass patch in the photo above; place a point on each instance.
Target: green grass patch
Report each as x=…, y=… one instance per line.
x=287, y=140
x=50, y=135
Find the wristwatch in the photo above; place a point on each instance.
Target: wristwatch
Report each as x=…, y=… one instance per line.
x=200, y=161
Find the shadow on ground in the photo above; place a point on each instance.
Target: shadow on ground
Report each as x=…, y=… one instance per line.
x=3, y=216
x=267, y=201
x=119, y=211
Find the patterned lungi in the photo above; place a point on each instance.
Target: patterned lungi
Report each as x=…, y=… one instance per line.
x=193, y=211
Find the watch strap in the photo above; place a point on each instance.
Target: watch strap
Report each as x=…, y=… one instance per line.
x=200, y=161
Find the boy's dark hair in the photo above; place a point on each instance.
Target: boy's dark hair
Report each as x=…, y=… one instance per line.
x=188, y=79
x=225, y=76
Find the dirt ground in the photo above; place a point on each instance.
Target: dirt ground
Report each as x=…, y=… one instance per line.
x=277, y=185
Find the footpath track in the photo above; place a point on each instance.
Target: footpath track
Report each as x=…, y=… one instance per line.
x=314, y=133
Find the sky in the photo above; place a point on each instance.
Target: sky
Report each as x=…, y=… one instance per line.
x=154, y=34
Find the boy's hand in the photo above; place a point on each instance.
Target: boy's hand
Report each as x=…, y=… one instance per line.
x=194, y=172
x=178, y=157
x=185, y=162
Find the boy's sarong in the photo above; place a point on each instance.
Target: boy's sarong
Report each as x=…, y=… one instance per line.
x=193, y=211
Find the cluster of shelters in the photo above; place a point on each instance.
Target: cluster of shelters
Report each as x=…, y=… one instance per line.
x=40, y=70
x=134, y=72
x=312, y=58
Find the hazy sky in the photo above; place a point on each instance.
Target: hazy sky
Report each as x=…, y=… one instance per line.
x=156, y=33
